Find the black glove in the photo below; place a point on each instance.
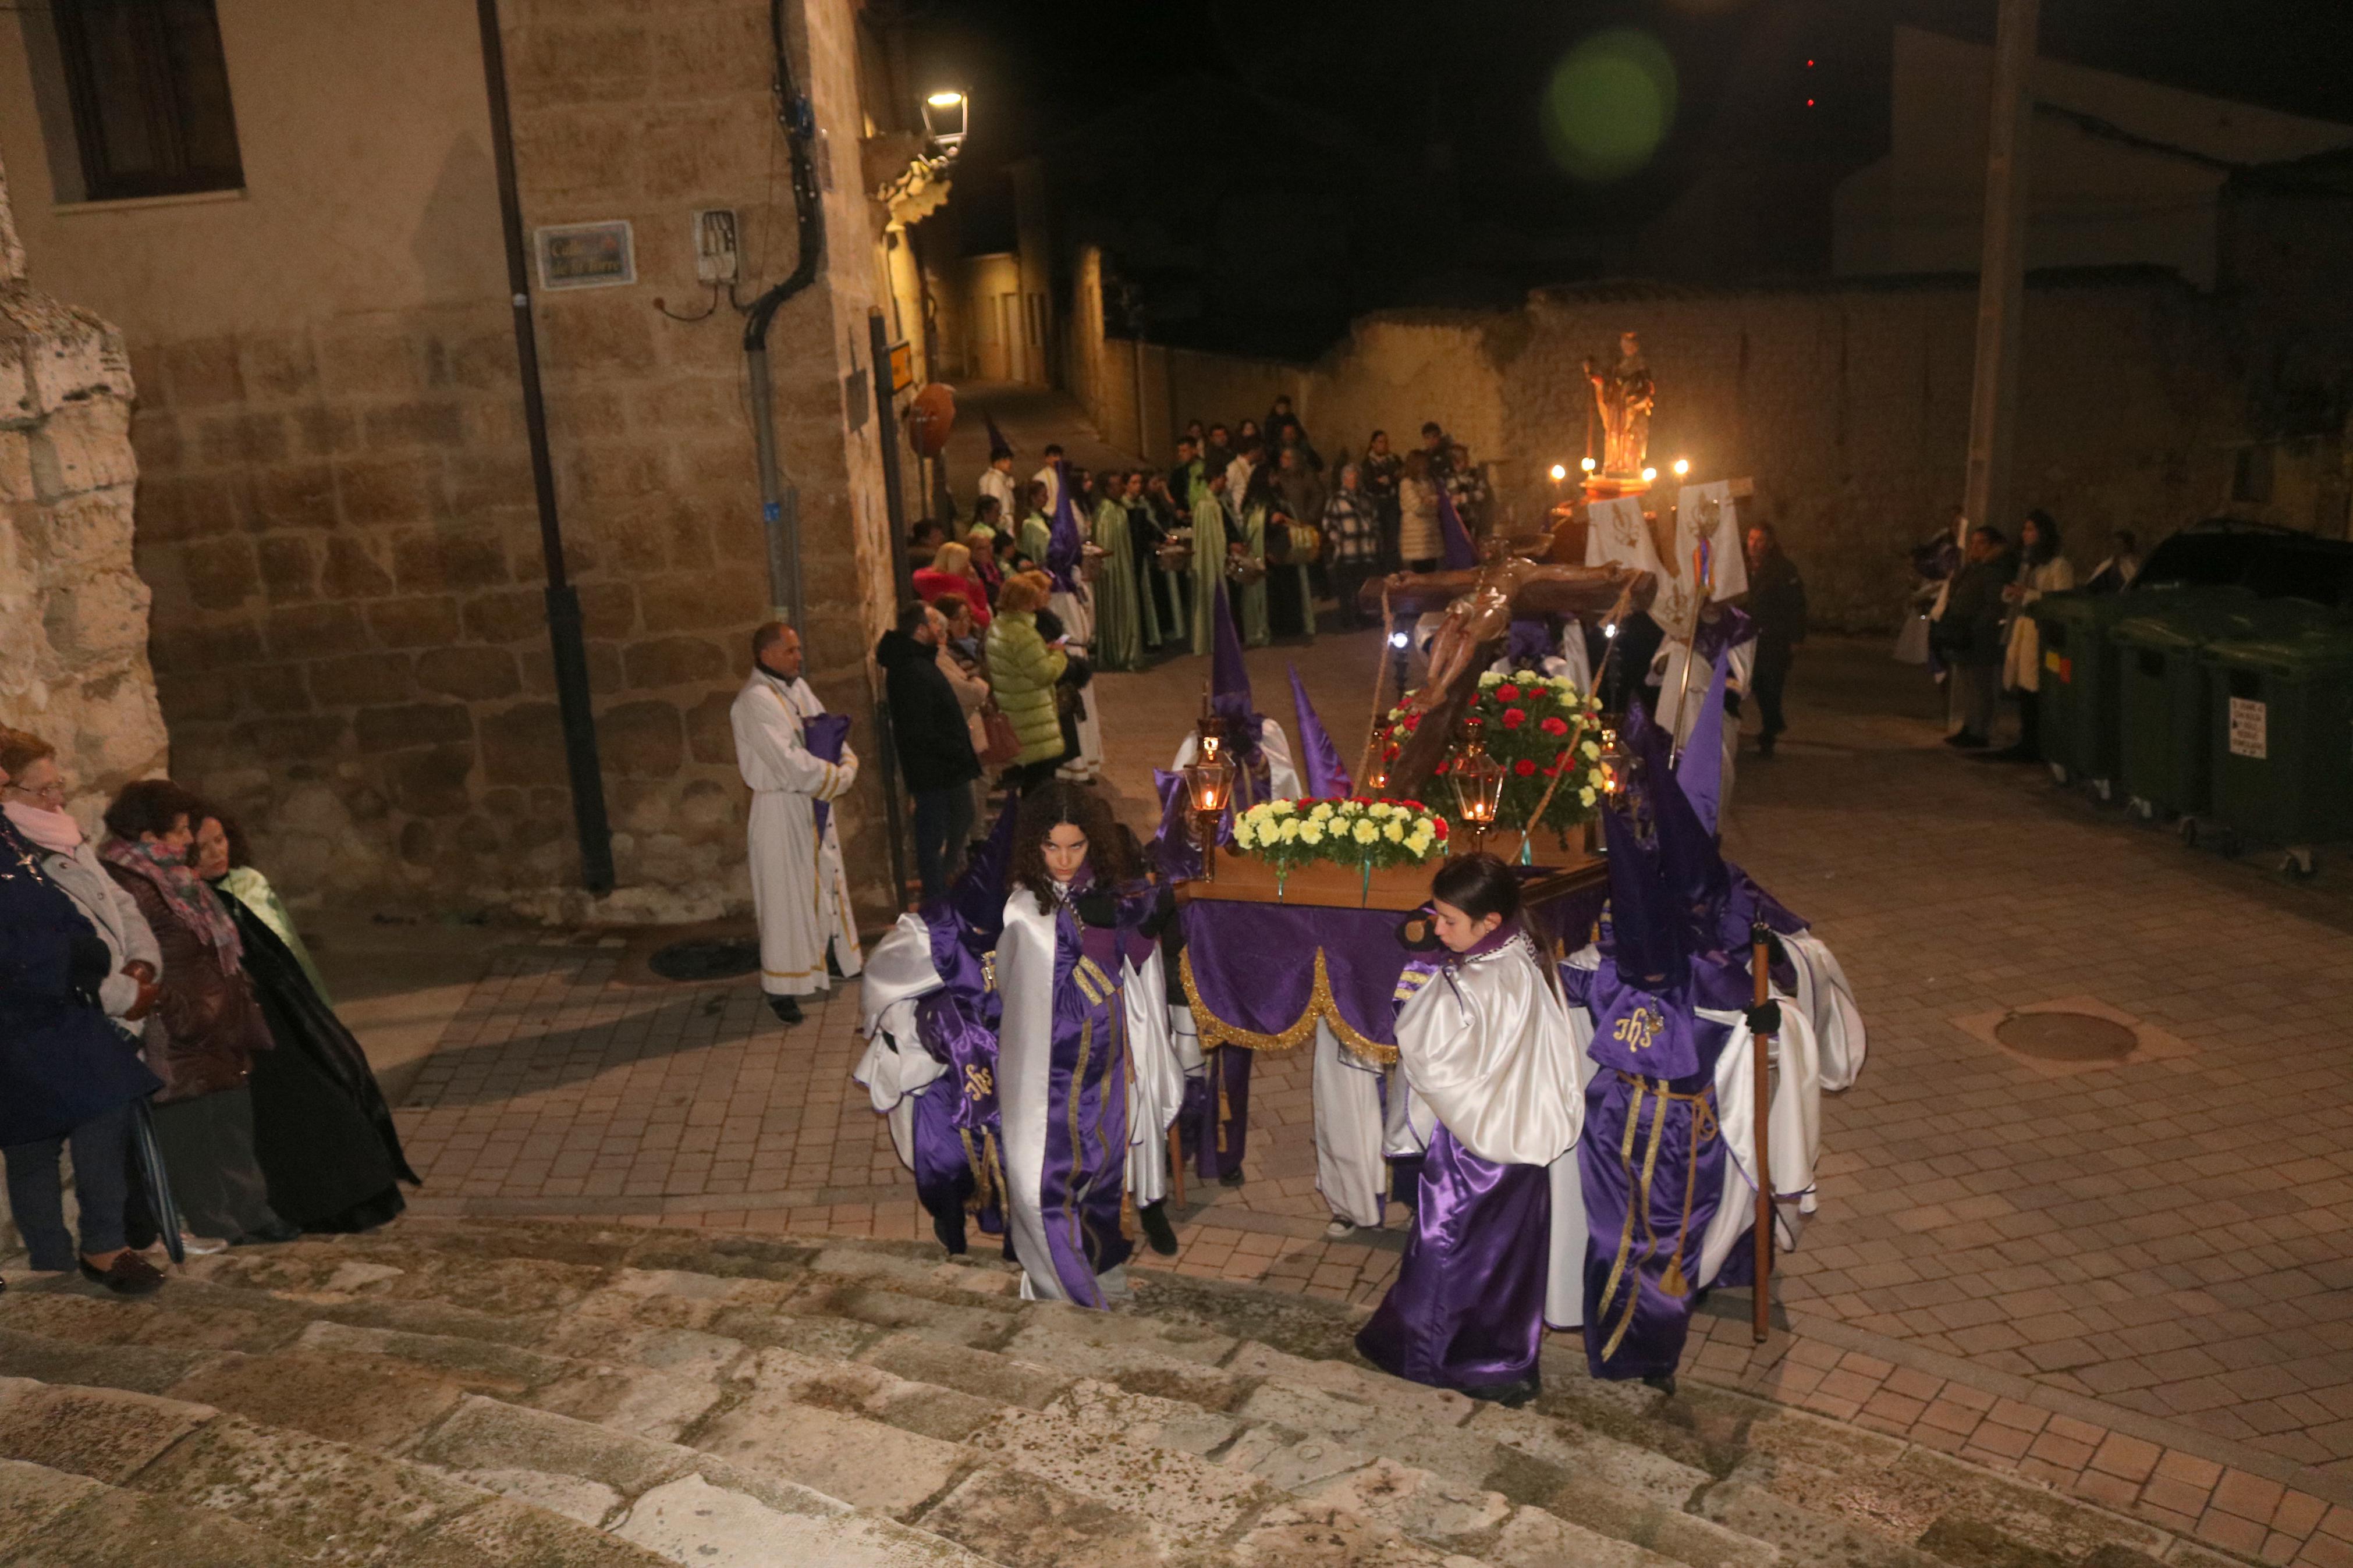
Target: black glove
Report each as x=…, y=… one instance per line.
x=1162, y=915
x=1097, y=908
x=88, y=963
x=1764, y=1018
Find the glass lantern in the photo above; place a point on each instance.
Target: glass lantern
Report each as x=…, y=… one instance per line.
x=1478, y=787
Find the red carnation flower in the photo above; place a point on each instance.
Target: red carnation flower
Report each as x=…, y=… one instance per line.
x=1442, y=768
x=1515, y=716
x=1412, y=722
x=1508, y=693
x=1524, y=767
x=1553, y=771
x=1390, y=754
x=1555, y=726
x=1440, y=825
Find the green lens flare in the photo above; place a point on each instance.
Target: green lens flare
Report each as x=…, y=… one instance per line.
x=1608, y=104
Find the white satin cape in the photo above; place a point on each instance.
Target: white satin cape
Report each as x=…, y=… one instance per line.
x=1025, y=1049
x=896, y=1068
x=1485, y=1045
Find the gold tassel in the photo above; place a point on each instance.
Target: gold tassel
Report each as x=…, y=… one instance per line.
x=1127, y=1228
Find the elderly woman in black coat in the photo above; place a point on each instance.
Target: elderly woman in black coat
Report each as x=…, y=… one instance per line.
x=66, y=1074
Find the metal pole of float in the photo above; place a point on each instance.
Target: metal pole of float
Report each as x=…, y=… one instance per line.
x=568, y=651
x=1760, y=966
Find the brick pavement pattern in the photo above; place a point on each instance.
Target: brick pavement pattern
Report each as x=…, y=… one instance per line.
x=2127, y=1282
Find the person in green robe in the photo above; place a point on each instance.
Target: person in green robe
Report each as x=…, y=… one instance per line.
x=1258, y=506
x=1037, y=528
x=1143, y=536
x=1170, y=591
x=1119, y=622
x=1208, y=556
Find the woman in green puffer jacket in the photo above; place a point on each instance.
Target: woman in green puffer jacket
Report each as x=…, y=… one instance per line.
x=1022, y=671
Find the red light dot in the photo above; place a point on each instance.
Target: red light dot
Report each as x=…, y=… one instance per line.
x=1809, y=65
x=1810, y=103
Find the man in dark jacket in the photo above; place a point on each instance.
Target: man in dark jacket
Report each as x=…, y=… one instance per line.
x=1968, y=634
x=1776, y=603
x=935, y=754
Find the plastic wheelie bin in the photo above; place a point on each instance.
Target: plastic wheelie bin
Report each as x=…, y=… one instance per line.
x=2079, y=682
x=2163, y=730
x=2280, y=711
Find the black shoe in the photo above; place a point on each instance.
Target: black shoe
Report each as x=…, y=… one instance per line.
x=1153, y=1218
x=1232, y=1178
x=1966, y=741
x=1510, y=1396
x=786, y=1009
x=949, y=1228
x=128, y=1275
x=1764, y=745
x=1664, y=1382
x=277, y=1233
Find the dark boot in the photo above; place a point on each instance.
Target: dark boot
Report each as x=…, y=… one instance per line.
x=1153, y=1218
x=786, y=1008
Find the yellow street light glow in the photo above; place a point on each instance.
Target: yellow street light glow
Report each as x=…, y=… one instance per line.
x=1559, y=472
x=1682, y=466
x=945, y=99
x=1650, y=474
x=1588, y=465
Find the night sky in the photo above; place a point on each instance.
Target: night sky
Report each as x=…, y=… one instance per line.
x=1433, y=113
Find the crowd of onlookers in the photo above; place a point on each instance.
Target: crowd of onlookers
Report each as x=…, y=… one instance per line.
x=165, y=1024
x=986, y=675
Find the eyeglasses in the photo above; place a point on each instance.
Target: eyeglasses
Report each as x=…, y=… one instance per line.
x=51, y=792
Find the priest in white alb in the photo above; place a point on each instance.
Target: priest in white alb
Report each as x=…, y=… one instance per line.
x=796, y=758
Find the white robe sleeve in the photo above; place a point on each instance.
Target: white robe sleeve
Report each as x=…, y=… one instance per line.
x=1564, y=1280
x=1827, y=1001
x=1155, y=1085
x=771, y=753
x=1281, y=773
x=895, y=1067
x=1795, y=1126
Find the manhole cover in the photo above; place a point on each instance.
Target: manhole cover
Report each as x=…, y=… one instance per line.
x=2066, y=1037
x=709, y=959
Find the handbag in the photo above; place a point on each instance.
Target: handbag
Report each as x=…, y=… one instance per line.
x=1912, y=639
x=1003, y=744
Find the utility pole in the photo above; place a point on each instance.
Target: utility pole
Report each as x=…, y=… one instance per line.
x=2001, y=273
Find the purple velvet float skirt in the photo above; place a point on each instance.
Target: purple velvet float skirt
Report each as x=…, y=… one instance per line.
x=1652, y=1163
x=1466, y=1311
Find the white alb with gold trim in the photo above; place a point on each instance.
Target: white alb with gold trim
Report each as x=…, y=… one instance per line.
x=798, y=884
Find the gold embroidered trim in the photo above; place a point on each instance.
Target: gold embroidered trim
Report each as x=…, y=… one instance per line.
x=1321, y=1005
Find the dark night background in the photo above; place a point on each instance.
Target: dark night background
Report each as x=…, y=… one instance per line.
x=1340, y=157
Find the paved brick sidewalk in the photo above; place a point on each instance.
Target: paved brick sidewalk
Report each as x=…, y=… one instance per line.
x=2128, y=1281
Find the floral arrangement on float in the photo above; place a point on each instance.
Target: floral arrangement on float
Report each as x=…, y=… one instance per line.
x=1546, y=737
x=1357, y=838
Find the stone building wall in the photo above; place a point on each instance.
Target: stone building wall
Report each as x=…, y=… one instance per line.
x=1847, y=404
x=336, y=513
x=73, y=613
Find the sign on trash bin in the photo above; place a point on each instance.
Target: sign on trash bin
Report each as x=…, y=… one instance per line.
x=2248, y=737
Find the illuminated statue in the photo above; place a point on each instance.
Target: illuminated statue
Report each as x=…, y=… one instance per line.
x=1624, y=392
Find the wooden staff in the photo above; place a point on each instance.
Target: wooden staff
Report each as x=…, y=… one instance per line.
x=1380, y=689
x=1761, y=963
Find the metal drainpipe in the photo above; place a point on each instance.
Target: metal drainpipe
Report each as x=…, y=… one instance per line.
x=563, y=632
x=779, y=501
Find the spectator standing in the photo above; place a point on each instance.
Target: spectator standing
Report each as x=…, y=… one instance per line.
x=207, y=1026
x=2041, y=569
x=1352, y=541
x=980, y=550
x=998, y=483
x=1466, y=486
x=1967, y=635
x=1291, y=436
x=2115, y=574
x=1437, y=448
x=1023, y=672
x=950, y=572
x=1047, y=476
x=1382, y=470
x=1776, y=604
x=1217, y=454
x=960, y=640
x=934, y=743
x=66, y=1077
x=323, y=1135
x=1419, y=542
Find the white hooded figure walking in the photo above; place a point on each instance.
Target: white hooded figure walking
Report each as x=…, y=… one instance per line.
x=797, y=760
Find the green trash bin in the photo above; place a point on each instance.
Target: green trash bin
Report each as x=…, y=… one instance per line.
x=2163, y=732
x=2079, y=682
x=2280, y=710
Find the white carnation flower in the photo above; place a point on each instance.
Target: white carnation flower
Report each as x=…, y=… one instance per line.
x=1311, y=832
x=1322, y=813
x=1585, y=796
x=1393, y=831
x=1592, y=748
x=1364, y=833
x=1291, y=831
x=1420, y=844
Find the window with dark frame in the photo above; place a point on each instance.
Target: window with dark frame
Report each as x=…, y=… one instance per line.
x=150, y=95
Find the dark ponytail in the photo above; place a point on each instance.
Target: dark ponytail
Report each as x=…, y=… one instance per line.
x=1478, y=885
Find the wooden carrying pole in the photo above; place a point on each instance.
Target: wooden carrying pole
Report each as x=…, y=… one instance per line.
x=1761, y=963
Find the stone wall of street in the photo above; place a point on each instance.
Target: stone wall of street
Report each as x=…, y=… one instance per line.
x=73, y=613
x=1847, y=405
x=337, y=514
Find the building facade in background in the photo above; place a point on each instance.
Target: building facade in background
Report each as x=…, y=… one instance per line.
x=289, y=208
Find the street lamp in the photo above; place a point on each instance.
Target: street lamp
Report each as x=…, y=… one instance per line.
x=1478, y=787
x=945, y=115
x=1559, y=472
x=1682, y=466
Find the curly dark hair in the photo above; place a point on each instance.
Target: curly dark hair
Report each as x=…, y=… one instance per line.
x=151, y=806
x=1111, y=852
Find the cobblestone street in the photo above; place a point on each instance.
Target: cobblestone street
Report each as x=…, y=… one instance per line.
x=2125, y=1280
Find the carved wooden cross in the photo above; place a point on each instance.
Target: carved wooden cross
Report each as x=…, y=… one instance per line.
x=1480, y=604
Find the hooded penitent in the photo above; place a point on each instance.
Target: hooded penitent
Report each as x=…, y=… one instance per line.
x=999, y=447
x=1066, y=542
x=1324, y=773
x=1229, y=687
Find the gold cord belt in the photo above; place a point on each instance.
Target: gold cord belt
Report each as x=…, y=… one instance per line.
x=1703, y=1129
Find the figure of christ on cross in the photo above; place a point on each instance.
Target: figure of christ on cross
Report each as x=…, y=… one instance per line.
x=1480, y=604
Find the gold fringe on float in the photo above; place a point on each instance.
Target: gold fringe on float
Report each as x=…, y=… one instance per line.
x=1321, y=1006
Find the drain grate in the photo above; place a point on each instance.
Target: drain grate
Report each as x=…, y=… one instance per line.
x=710, y=959
x=2067, y=1037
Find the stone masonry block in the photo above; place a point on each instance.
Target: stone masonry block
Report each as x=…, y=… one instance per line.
x=438, y=559
x=323, y=432
x=413, y=724
x=289, y=567
x=365, y=677
x=608, y=610
x=83, y=446
x=315, y=631
x=399, y=425
x=414, y=622
x=672, y=661
x=380, y=490
x=220, y=573
x=576, y=152
x=273, y=689
x=203, y=372
x=642, y=739
x=278, y=366
x=710, y=732
x=506, y=615
x=702, y=601
x=294, y=495
x=474, y=674
x=52, y=355
x=552, y=63
x=433, y=782
x=354, y=568
x=522, y=745
x=243, y=437
x=711, y=52
x=368, y=364
x=195, y=506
